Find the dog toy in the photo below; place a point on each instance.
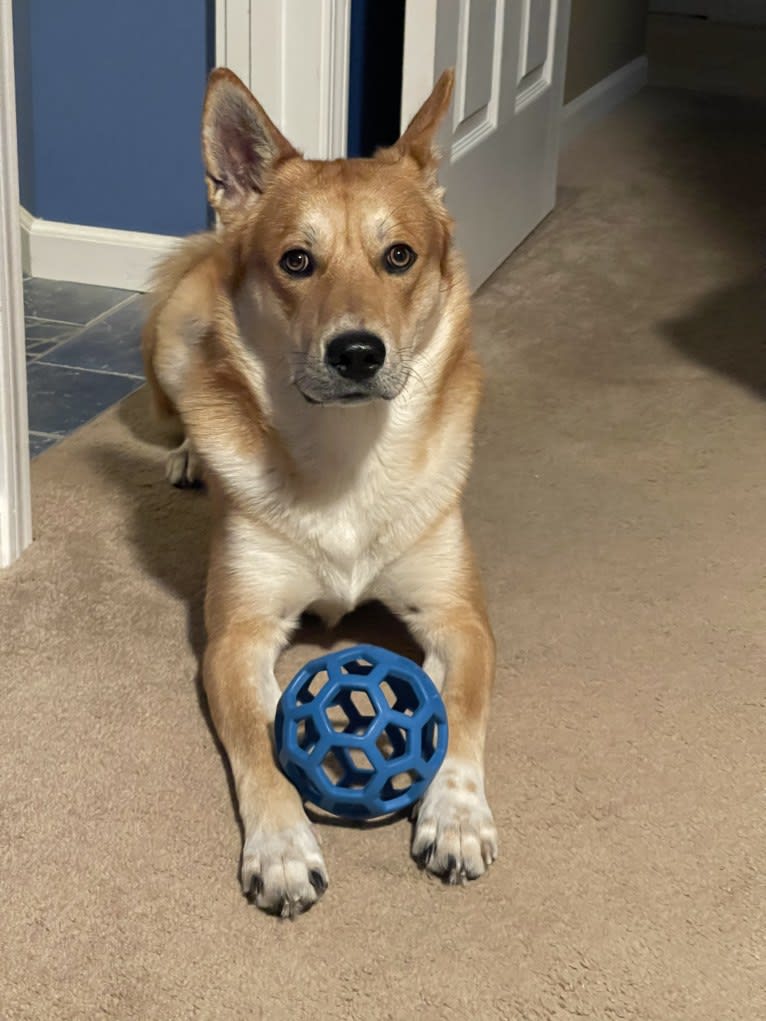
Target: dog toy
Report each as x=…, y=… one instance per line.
x=361, y=732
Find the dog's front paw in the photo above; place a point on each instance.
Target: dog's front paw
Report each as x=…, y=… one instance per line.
x=455, y=835
x=283, y=870
x=183, y=467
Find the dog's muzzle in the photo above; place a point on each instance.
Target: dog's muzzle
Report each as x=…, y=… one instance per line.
x=355, y=369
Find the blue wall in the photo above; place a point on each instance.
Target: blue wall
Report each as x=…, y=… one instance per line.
x=21, y=45
x=109, y=96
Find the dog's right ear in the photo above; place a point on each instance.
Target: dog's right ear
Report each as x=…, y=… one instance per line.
x=241, y=146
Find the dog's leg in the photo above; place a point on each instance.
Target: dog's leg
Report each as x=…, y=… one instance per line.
x=435, y=588
x=282, y=865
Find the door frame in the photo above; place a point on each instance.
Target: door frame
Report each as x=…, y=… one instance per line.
x=301, y=76
x=15, y=490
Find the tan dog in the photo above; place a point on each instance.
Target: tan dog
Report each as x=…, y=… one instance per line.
x=317, y=351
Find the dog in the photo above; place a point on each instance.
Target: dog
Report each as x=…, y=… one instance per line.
x=315, y=349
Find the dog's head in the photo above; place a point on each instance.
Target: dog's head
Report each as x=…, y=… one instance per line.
x=345, y=260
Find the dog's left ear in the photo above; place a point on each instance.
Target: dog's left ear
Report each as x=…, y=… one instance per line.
x=419, y=140
x=241, y=145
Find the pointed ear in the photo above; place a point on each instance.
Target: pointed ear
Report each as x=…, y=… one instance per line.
x=241, y=146
x=419, y=140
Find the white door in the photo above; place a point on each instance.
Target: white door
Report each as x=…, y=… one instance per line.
x=501, y=163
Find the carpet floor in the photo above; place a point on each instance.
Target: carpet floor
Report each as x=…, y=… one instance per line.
x=618, y=506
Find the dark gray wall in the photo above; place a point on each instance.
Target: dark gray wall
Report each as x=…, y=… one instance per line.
x=603, y=36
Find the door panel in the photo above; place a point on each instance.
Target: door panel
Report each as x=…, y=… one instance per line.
x=477, y=27
x=538, y=33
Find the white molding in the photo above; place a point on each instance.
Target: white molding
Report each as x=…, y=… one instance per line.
x=232, y=36
x=90, y=255
x=336, y=44
x=597, y=101
x=15, y=492
x=420, y=52
x=293, y=55
x=25, y=229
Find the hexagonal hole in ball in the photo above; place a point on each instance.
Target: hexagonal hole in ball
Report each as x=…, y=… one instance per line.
x=360, y=666
x=392, y=742
x=399, y=783
x=400, y=695
x=311, y=687
x=306, y=735
x=429, y=739
x=347, y=767
x=351, y=712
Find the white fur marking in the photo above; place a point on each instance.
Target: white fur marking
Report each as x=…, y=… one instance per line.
x=285, y=870
x=455, y=833
x=183, y=466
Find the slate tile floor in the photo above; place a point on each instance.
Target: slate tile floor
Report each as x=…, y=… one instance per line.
x=83, y=354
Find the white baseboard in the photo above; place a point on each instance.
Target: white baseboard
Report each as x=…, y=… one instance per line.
x=90, y=255
x=603, y=97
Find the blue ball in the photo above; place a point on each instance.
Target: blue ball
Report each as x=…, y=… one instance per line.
x=361, y=732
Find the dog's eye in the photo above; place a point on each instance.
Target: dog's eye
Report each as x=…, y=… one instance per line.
x=399, y=258
x=297, y=263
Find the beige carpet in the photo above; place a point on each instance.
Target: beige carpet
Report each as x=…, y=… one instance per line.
x=619, y=506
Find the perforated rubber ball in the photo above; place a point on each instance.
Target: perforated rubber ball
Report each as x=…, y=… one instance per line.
x=361, y=732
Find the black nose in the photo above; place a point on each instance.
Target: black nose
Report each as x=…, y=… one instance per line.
x=356, y=355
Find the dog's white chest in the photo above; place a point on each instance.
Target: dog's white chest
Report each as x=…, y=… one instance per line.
x=357, y=506
x=344, y=545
